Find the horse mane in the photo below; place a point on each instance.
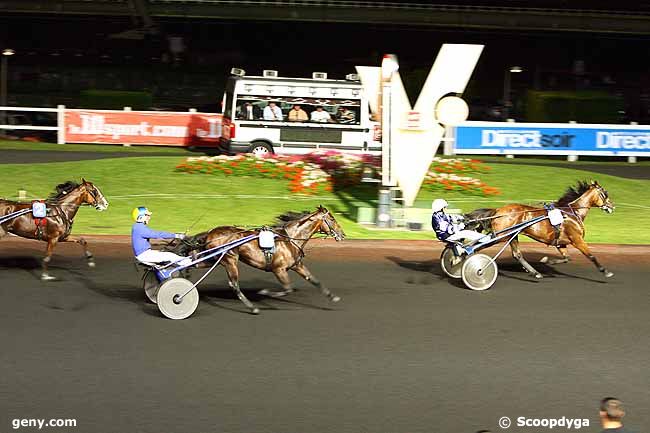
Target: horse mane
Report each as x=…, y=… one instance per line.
x=572, y=193
x=290, y=216
x=63, y=189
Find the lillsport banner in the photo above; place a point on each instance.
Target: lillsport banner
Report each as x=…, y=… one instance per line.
x=142, y=127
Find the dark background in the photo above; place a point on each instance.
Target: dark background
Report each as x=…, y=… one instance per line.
x=59, y=56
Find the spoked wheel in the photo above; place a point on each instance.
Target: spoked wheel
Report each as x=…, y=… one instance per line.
x=150, y=285
x=479, y=272
x=450, y=263
x=170, y=302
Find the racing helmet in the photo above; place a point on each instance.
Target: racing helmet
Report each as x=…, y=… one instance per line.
x=439, y=204
x=139, y=213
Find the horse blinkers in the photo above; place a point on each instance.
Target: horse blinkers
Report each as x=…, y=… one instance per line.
x=332, y=231
x=607, y=204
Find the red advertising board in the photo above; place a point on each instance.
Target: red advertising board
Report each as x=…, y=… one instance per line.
x=142, y=127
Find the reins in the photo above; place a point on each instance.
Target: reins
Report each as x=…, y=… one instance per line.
x=534, y=210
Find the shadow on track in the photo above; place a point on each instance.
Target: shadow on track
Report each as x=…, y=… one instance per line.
x=508, y=269
x=253, y=287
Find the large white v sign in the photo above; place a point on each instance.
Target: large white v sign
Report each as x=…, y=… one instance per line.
x=416, y=132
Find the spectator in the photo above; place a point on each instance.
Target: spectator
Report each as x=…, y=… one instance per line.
x=321, y=116
x=611, y=413
x=346, y=116
x=250, y=112
x=297, y=114
x=272, y=112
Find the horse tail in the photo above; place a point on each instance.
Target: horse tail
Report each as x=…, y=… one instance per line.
x=198, y=241
x=480, y=220
x=188, y=244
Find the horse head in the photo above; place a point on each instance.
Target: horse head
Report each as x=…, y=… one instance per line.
x=93, y=196
x=329, y=226
x=600, y=197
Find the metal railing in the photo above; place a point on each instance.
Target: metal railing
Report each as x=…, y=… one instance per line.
x=408, y=6
x=60, y=111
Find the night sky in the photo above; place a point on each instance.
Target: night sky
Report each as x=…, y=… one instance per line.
x=297, y=49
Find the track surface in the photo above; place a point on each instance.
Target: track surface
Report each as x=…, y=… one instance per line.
x=405, y=351
x=628, y=171
x=10, y=156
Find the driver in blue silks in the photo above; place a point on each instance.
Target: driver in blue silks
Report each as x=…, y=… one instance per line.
x=140, y=235
x=450, y=228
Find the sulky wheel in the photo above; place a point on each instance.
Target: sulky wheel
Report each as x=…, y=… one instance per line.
x=479, y=272
x=150, y=285
x=171, y=301
x=450, y=263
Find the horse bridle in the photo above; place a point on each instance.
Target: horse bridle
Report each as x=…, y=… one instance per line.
x=93, y=193
x=603, y=196
x=329, y=226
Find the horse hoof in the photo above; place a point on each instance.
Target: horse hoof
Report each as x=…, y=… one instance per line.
x=91, y=264
x=539, y=276
x=47, y=277
x=335, y=298
x=609, y=274
x=543, y=259
x=255, y=311
x=274, y=293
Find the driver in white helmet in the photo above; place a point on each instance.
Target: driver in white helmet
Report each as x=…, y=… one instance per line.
x=450, y=228
x=141, y=234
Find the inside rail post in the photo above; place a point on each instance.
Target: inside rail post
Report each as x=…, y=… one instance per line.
x=60, y=121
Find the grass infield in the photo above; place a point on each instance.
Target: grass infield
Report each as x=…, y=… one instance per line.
x=183, y=201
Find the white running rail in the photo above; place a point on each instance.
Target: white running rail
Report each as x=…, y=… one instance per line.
x=60, y=128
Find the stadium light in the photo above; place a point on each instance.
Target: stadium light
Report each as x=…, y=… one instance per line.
x=4, y=65
x=507, y=102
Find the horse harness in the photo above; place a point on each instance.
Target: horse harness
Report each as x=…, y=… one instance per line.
x=41, y=222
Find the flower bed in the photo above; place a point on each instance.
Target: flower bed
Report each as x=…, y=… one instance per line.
x=322, y=171
x=448, y=175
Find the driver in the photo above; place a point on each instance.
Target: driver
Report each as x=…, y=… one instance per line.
x=140, y=235
x=450, y=228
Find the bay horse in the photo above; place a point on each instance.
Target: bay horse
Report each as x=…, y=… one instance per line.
x=290, y=241
x=574, y=205
x=56, y=226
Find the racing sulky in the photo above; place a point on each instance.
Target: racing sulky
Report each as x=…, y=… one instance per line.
x=574, y=206
x=285, y=252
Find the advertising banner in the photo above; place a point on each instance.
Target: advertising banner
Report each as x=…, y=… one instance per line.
x=552, y=139
x=142, y=127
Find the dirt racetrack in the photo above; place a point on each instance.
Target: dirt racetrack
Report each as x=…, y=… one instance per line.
x=405, y=351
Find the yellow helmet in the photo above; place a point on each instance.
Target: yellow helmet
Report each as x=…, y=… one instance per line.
x=139, y=213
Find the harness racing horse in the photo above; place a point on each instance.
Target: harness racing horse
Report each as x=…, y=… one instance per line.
x=291, y=238
x=574, y=205
x=55, y=227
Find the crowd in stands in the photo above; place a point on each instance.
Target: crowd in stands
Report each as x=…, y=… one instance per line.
x=315, y=114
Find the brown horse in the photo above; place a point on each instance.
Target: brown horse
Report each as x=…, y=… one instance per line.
x=574, y=204
x=290, y=241
x=56, y=226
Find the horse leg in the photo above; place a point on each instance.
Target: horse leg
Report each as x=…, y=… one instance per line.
x=283, y=277
x=81, y=241
x=230, y=263
x=45, y=276
x=564, y=259
x=581, y=245
x=302, y=270
x=516, y=253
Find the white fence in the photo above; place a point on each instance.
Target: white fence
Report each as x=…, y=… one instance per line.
x=60, y=115
x=126, y=127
